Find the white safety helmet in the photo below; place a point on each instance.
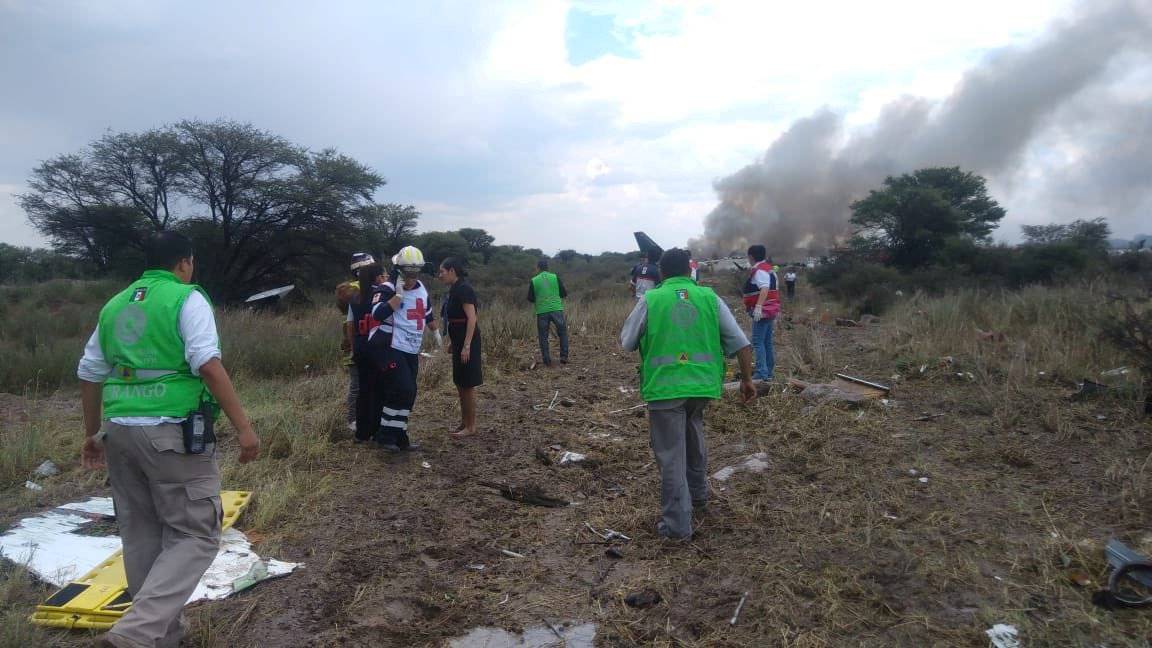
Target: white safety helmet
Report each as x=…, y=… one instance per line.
x=409, y=259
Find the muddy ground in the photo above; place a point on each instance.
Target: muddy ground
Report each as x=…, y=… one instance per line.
x=869, y=528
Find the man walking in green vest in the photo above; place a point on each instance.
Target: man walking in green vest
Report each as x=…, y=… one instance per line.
x=151, y=383
x=547, y=292
x=683, y=332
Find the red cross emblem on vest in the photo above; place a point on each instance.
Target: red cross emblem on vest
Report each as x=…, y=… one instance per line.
x=417, y=314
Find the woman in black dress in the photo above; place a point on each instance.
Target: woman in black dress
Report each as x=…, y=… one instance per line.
x=459, y=315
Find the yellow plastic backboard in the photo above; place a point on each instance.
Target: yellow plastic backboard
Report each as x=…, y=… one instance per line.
x=99, y=598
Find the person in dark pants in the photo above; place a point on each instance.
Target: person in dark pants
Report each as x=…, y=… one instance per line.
x=683, y=333
x=360, y=328
x=460, y=316
x=346, y=293
x=547, y=292
x=403, y=312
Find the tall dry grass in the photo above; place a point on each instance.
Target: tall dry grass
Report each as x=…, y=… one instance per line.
x=1025, y=335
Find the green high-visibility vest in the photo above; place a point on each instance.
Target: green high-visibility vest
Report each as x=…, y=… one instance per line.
x=140, y=337
x=546, y=288
x=681, y=350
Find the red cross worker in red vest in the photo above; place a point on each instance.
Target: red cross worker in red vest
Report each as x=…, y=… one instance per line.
x=404, y=315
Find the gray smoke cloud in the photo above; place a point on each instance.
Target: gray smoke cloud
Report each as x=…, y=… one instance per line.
x=1072, y=89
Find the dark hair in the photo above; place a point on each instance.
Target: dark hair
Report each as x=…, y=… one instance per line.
x=456, y=265
x=366, y=276
x=164, y=250
x=757, y=252
x=674, y=263
x=542, y=264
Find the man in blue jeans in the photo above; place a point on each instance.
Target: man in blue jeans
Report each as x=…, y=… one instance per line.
x=547, y=293
x=762, y=302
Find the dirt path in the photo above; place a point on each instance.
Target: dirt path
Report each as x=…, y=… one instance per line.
x=870, y=528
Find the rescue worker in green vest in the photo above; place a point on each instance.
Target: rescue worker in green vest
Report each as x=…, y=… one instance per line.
x=547, y=292
x=151, y=383
x=683, y=332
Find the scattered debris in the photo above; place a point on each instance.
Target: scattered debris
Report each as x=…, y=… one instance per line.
x=925, y=416
x=1128, y=568
x=625, y=390
x=269, y=297
x=527, y=495
x=571, y=634
x=1087, y=389
x=607, y=535
x=1079, y=577
x=557, y=455
x=475, y=567
x=1119, y=374
x=754, y=463
x=629, y=409
x=53, y=549
x=844, y=321
x=843, y=389
x=923, y=480
x=425, y=464
x=643, y=599
x=549, y=406
x=47, y=469
x=511, y=554
x=1003, y=636
x=739, y=606
x=567, y=402
x=33, y=486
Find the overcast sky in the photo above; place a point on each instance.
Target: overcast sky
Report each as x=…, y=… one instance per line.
x=551, y=124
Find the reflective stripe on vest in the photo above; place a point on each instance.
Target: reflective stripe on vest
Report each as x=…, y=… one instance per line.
x=681, y=348
x=140, y=337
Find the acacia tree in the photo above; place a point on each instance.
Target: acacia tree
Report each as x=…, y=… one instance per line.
x=260, y=209
x=387, y=228
x=915, y=215
x=1091, y=235
x=479, y=241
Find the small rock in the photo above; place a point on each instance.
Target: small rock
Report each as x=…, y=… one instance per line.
x=47, y=469
x=33, y=486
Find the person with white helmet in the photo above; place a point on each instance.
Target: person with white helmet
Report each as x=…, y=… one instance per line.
x=404, y=313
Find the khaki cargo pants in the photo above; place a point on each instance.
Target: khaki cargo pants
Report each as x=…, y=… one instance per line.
x=169, y=512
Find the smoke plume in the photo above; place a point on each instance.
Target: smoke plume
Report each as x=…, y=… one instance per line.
x=1077, y=98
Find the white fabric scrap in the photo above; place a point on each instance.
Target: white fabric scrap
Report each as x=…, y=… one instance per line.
x=1003, y=636
x=52, y=550
x=755, y=463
